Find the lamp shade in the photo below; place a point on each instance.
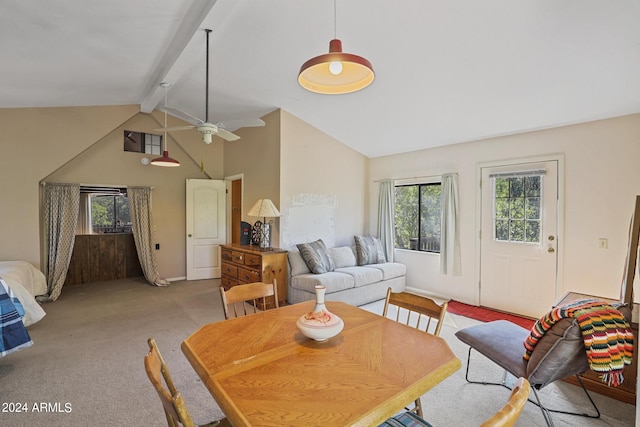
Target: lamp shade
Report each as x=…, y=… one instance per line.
x=165, y=160
x=264, y=208
x=336, y=72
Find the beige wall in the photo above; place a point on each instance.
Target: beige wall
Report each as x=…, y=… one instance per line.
x=322, y=186
x=85, y=145
x=601, y=181
x=256, y=157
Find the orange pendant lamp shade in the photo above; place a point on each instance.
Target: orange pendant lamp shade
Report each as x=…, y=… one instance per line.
x=165, y=160
x=336, y=72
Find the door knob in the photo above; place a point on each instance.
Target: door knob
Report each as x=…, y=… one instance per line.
x=188, y=235
x=551, y=250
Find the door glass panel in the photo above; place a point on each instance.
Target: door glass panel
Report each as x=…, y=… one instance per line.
x=517, y=209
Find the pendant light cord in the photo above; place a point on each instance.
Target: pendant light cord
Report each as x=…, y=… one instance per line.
x=166, y=88
x=335, y=19
x=206, y=108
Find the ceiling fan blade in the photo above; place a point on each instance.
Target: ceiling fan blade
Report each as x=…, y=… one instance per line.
x=175, y=128
x=241, y=123
x=226, y=135
x=182, y=114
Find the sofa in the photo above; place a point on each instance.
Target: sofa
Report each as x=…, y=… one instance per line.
x=349, y=278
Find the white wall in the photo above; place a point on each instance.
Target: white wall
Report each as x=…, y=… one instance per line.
x=322, y=186
x=602, y=178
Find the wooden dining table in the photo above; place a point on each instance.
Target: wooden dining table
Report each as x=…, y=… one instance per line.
x=263, y=372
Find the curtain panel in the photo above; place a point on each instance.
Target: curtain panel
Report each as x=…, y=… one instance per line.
x=61, y=204
x=450, y=262
x=140, y=209
x=386, y=217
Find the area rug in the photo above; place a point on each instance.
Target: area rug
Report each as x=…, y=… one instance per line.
x=486, y=314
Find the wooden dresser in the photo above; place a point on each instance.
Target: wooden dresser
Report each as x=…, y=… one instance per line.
x=249, y=263
x=626, y=392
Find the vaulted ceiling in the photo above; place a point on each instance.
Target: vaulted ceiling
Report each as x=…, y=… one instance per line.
x=447, y=71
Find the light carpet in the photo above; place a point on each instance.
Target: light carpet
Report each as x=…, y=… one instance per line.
x=86, y=366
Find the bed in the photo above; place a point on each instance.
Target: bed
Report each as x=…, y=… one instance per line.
x=25, y=282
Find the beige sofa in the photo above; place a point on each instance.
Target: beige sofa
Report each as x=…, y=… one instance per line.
x=348, y=282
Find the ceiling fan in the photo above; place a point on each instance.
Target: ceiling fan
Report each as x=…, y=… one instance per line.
x=206, y=128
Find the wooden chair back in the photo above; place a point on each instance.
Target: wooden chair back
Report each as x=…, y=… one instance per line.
x=175, y=409
x=241, y=300
x=509, y=414
x=416, y=308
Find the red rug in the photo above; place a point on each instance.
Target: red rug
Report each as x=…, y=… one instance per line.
x=486, y=314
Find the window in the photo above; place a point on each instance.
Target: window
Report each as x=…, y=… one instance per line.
x=107, y=210
x=139, y=142
x=417, y=217
x=517, y=209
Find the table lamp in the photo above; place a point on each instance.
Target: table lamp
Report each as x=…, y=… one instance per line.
x=266, y=209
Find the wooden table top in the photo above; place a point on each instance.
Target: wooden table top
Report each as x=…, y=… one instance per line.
x=263, y=372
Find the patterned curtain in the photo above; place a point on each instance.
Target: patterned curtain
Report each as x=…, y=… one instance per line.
x=140, y=208
x=61, y=205
x=450, y=262
x=386, y=217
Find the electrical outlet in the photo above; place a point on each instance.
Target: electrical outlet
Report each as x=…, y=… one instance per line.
x=157, y=246
x=603, y=243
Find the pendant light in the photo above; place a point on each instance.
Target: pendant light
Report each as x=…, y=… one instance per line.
x=165, y=160
x=336, y=72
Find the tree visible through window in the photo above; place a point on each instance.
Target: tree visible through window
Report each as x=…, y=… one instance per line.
x=110, y=213
x=417, y=217
x=517, y=209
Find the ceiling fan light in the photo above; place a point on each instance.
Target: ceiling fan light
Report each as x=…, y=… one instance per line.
x=206, y=137
x=318, y=74
x=165, y=161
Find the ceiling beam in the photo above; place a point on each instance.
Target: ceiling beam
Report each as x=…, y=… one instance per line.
x=152, y=93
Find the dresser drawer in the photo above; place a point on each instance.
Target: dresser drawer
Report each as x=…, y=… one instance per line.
x=248, y=276
x=237, y=257
x=229, y=270
x=251, y=259
x=225, y=254
x=228, y=282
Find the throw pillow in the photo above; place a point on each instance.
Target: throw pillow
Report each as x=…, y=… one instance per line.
x=369, y=250
x=316, y=256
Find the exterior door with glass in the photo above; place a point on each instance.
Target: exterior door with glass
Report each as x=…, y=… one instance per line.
x=519, y=237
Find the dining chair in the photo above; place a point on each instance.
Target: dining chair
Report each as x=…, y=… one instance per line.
x=242, y=300
x=505, y=417
x=509, y=414
x=416, y=308
x=173, y=403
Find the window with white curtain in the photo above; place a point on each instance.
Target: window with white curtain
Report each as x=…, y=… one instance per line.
x=418, y=209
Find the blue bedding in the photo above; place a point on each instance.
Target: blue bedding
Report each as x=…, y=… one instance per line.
x=13, y=334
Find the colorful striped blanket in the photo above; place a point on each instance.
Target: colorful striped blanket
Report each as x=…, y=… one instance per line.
x=13, y=334
x=608, y=338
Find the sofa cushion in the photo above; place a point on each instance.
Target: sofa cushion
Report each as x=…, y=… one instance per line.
x=297, y=265
x=316, y=255
x=369, y=250
x=343, y=256
x=333, y=280
x=362, y=275
x=390, y=270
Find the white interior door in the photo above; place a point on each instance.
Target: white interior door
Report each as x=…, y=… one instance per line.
x=206, y=218
x=519, y=238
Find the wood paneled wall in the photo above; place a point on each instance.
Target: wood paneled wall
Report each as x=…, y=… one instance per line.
x=100, y=257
